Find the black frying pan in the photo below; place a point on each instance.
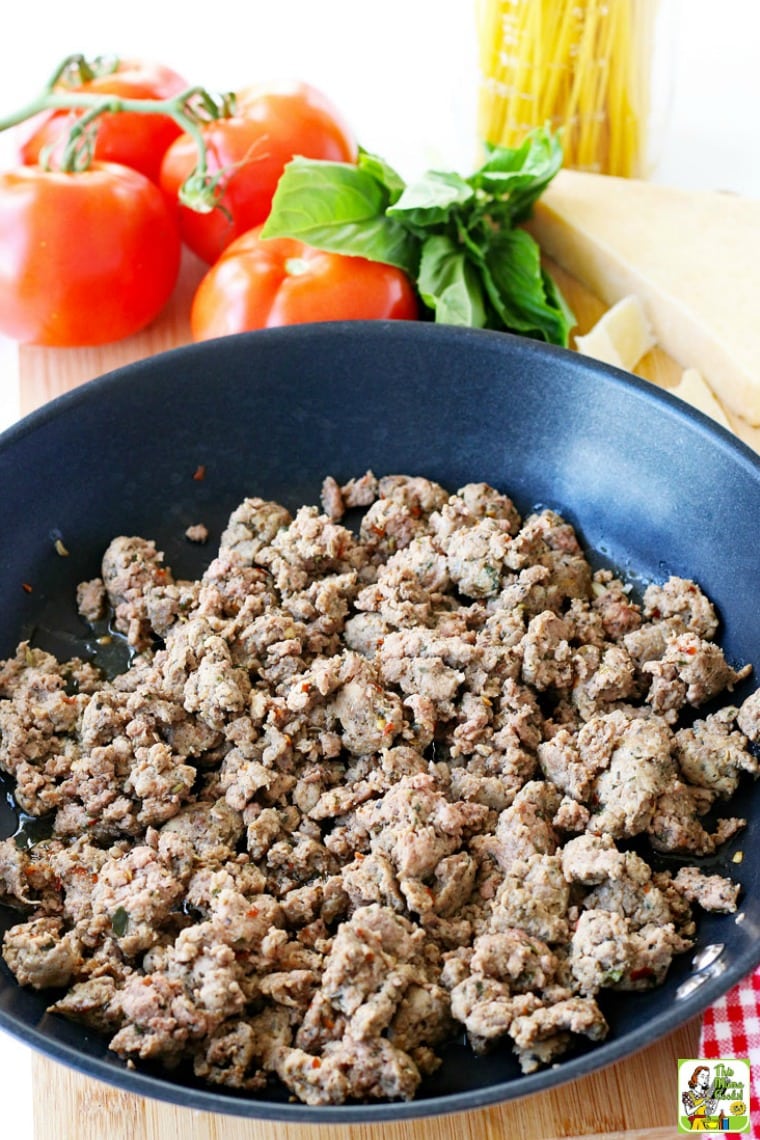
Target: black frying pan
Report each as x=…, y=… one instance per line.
x=652, y=486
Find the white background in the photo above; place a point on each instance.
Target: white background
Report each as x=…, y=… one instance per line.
x=404, y=74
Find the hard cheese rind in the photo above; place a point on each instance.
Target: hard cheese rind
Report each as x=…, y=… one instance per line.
x=692, y=257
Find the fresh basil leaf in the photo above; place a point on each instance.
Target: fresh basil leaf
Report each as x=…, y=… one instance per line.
x=516, y=286
x=341, y=208
x=453, y=236
x=383, y=172
x=474, y=234
x=556, y=301
x=448, y=284
x=311, y=188
x=430, y=201
x=517, y=177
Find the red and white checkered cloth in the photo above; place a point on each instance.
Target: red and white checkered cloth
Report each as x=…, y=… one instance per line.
x=731, y=1028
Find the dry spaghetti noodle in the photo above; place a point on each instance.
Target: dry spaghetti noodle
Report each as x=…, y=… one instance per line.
x=582, y=66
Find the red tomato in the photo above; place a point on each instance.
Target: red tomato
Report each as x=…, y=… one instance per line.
x=252, y=148
x=265, y=282
x=133, y=139
x=85, y=258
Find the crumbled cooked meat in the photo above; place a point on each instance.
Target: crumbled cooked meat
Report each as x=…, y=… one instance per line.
x=603, y=678
x=14, y=869
x=197, y=532
x=252, y=526
x=92, y=600
x=748, y=717
x=676, y=822
x=331, y=499
x=42, y=954
x=525, y=827
x=487, y=1008
x=134, y=893
x=93, y=1002
x=592, y=859
x=159, y=1019
x=654, y=946
x=233, y=1056
x=571, y=817
x=534, y=897
x=422, y=1020
x=632, y=891
x=600, y=949
x=639, y=769
x=358, y=793
x=368, y=714
x=474, y=502
x=336, y=500
x=619, y=614
x=712, y=753
x=131, y=567
x=683, y=605
x=711, y=892
x=476, y=556
x=371, y=878
x=690, y=671
x=543, y=1033
x=373, y=959
x=425, y=664
x=362, y=1069
x=309, y=548
x=210, y=830
x=513, y=956
x=416, y=825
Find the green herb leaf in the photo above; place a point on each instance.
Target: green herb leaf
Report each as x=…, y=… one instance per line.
x=432, y=200
x=455, y=237
x=516, y=287
x=556, y=301
x=449, y=285
x=119, y=921
x=516, y=178
x=341, y=208
x=383, y=172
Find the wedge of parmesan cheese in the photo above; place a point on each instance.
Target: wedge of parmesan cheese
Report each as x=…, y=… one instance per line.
x=620, y=337
x=692, y=257
x=693, y=389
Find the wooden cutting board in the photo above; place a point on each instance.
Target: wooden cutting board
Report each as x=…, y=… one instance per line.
x=635, y=1099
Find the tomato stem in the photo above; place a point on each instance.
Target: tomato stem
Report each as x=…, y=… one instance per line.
x=189, y=109
x=78, y=69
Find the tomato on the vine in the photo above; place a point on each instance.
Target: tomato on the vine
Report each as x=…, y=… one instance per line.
x=85, y=257
x=266, y=282
x=135, y=140
x=249, y=151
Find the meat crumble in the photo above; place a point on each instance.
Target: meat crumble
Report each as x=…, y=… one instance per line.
x=362, y=790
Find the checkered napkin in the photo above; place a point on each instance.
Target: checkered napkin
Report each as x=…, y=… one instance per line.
x=731, y=1028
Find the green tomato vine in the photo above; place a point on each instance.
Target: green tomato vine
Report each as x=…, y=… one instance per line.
x=190, y=110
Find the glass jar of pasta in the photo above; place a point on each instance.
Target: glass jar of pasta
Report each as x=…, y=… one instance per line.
x=584, y=67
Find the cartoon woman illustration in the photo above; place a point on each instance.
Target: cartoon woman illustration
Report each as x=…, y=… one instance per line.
x=698, y=1101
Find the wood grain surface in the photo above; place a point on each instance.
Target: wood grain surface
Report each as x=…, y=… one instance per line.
x=632, y=1100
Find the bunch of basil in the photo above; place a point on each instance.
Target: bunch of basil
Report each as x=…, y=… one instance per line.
x=458, y=239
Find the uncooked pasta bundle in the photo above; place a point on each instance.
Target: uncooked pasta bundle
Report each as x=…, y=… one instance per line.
x=581, y=66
